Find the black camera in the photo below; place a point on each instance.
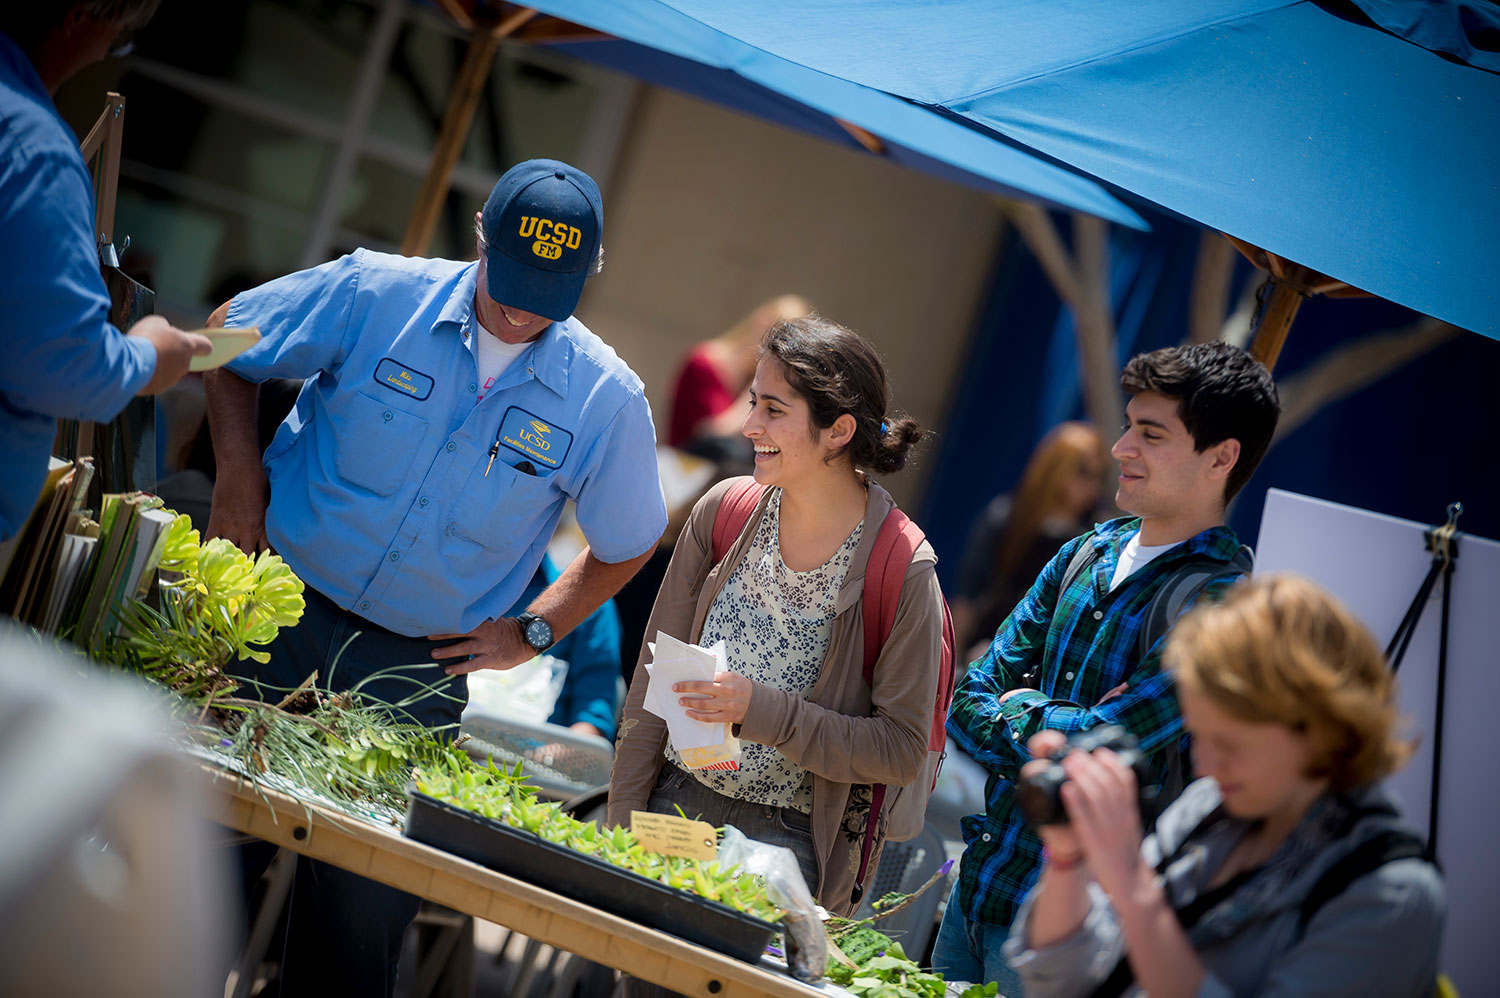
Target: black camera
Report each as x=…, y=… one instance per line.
x=1037, y=792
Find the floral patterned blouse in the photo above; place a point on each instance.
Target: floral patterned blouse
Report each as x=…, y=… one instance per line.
x=775, y=624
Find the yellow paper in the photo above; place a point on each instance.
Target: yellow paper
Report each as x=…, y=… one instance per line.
x=228, y=343
x=674, y=836
x=723, y=756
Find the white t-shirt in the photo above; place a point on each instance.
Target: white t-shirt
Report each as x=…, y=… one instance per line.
x=1136, y=555
x=492, y=355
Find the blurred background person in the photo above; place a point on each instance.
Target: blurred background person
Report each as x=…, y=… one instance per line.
x=588, y=701
x=708, y=394
x=1020, y=531
x=1285, y=869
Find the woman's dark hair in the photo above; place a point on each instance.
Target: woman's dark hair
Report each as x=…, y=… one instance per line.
x=837, y=371
x=1221, y=392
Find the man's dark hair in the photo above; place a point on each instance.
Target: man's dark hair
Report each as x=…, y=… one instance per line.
x=1221, y=393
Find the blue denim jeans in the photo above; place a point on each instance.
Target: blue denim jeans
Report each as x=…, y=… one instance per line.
x=970, y=951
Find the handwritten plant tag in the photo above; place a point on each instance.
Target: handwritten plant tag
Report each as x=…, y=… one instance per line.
x=674, y=836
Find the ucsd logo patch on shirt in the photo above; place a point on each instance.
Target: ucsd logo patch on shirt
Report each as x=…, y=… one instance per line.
x=527, y=433
x=403, y=380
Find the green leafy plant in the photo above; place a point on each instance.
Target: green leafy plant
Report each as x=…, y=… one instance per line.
x=216, y=603
x=502, y=796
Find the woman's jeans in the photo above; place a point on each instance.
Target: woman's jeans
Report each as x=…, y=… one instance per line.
x=777, y=826
x=970, y=951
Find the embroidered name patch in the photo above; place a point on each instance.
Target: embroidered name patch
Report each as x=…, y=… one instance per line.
x=399, y=378
x=529, y=434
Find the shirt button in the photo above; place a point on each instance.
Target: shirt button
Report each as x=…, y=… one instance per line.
x=395, y=556
x=388, y=416
x=452, y=447
x=1098, y=614
x=1015, y=736
x=1068, y=675
x=364, y=604
x=985, y=836
x=473, y=388
x=530, y=371
x=423, y=501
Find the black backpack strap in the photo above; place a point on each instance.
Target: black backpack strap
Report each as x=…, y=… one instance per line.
x=1185, y=585
x=1082, y=558
x=1367, y=857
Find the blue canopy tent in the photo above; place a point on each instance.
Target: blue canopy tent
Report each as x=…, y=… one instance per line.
x=1302, y=128
x=656, y=43
x=651, y=41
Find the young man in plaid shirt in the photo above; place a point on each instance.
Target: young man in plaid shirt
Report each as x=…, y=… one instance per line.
x=1199, y=420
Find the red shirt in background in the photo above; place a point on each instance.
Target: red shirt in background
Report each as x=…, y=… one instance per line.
x=699, y=394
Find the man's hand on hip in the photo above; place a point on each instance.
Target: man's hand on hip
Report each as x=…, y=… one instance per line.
x=238, y=512
x=494, y=644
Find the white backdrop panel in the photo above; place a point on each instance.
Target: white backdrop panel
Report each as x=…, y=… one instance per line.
x=1375, y=565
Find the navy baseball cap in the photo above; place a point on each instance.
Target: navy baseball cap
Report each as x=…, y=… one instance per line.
x=543, y=224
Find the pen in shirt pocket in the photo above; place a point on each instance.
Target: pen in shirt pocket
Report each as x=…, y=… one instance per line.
x=525, y=467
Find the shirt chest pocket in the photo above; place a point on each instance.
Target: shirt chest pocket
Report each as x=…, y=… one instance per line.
x=377, y=444
x=504, y=508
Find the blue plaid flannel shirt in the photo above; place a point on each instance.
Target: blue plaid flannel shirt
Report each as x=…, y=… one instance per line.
x=1086, y=641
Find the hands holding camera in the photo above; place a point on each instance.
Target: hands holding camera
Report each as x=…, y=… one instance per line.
x=1084, y=800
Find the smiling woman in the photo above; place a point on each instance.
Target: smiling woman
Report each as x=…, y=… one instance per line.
x=782, y=594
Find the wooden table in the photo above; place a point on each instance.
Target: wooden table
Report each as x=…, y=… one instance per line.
x=385, y=855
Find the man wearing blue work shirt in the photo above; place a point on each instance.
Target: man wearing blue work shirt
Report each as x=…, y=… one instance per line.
x=450, y=409
x=63, y=359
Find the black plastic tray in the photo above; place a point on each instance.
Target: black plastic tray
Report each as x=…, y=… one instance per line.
x=530, y=857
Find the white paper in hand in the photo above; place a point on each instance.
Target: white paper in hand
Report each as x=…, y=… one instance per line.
x=701, y=744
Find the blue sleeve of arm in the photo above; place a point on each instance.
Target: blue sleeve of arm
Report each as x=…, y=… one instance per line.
x=593, y=655
x=64, y=359
x=620, y=507
x=304, y=321
x=982, y=726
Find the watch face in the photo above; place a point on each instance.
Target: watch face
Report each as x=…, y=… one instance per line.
x=538, y=633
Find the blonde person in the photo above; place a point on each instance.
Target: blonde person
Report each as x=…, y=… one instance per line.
x=785, y=600
x=1291, y=709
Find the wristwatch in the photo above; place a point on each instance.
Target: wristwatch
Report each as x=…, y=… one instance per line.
x=536, y=631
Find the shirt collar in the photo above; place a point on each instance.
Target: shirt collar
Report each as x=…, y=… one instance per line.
x=551, y=354
x=458, y=310
x=1218, y=542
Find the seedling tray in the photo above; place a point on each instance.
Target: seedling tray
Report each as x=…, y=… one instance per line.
x=529, y=857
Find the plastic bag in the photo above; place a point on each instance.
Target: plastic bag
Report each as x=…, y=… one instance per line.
x=778, y=869
x=525, y=693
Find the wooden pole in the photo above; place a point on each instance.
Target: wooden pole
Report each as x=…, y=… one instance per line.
x=1275, y=322
x=458, y=119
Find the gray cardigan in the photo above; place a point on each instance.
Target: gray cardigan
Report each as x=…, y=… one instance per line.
x=1380, y=936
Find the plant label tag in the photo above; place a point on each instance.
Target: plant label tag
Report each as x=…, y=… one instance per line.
x=674, y=836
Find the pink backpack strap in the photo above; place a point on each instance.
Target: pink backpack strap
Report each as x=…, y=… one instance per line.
x=885, y=574
x=735, y=510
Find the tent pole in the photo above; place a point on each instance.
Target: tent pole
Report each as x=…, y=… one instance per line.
x=1275, y=322
x=458, y=118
